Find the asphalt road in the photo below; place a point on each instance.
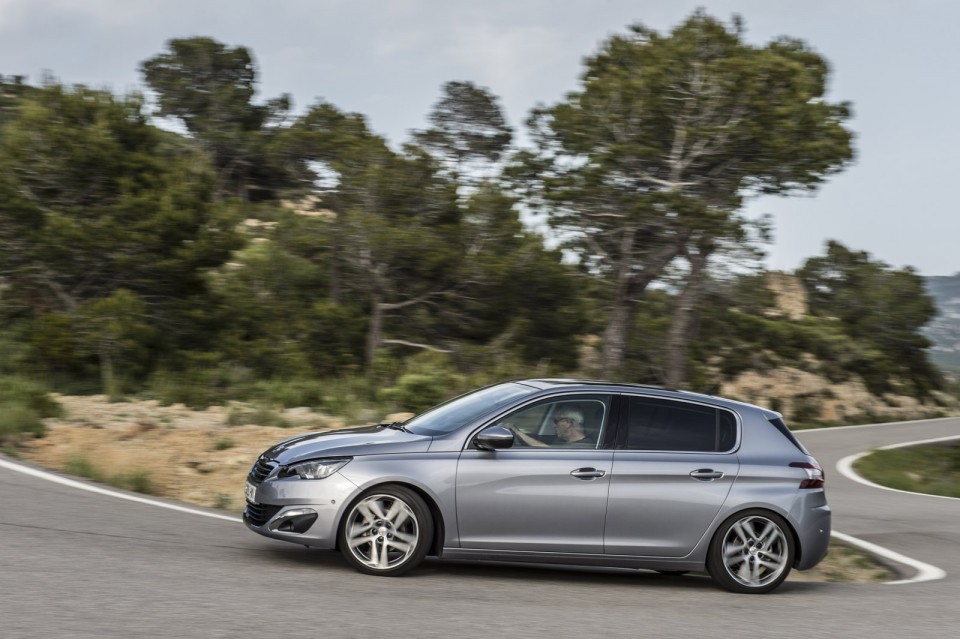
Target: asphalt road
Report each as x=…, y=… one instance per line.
x=78, y=564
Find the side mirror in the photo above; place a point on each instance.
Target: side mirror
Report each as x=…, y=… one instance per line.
x=493, y=437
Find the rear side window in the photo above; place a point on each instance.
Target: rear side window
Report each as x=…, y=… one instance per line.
x=782, y=427
x=659, y=424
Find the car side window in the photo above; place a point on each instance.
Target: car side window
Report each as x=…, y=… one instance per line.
x=566, y=422
x=658, y=424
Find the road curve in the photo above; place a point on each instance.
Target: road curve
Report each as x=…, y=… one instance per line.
x=82, y=564
x=924, y=527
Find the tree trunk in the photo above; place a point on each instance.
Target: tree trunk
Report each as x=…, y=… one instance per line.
x=628, y=287
x=375, y=330
x=615, y=336
x=678, y=338
x=107, y=374
x=336, y=255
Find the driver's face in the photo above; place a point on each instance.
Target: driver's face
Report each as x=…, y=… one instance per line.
x=564, y=426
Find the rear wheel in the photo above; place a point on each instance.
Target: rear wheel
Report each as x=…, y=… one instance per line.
x=752, y=552
x=387, y=531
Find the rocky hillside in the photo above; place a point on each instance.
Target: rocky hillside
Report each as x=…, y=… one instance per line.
x=944, y=331
x=803, y=389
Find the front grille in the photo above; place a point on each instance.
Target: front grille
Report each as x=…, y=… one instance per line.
x=259, y=514
x=260, y=471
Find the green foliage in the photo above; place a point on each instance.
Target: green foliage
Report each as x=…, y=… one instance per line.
x=651, y=158
x=105, y=229
x=209, y=87
x=224, y=443
x=290, y=261
x=18, y=420
x=114, y=329
x=259, y=415
x=882, y=309
x=138, y=481
x=467, y=129
x=352, y=396
x=289, y=393
x=427, y=379
x=415, y=392
x=519, y=295
x=23, y=404
x=932, y=469
x=195, y=379
x=30, y=394
x=275, y=315
x=646, y=351
x=81, y=466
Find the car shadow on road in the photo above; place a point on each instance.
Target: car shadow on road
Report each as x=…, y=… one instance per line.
x=296, y=558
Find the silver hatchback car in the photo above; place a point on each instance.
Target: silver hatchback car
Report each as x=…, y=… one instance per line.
x=556, y=471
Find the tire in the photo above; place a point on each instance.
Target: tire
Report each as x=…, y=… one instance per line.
x=386, y=531
x=752, y=552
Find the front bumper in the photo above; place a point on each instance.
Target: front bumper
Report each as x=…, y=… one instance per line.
x=302, y=511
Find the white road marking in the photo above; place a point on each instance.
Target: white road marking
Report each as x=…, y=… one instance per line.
x=845, y=466
x=33, y=472
x=827, y=429
x=925, y=572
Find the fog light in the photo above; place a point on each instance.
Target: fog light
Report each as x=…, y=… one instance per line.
x=296, y=521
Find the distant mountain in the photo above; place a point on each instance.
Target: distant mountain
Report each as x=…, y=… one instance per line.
x=944, y=330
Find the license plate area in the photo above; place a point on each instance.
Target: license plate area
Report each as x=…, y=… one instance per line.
x=250, y=492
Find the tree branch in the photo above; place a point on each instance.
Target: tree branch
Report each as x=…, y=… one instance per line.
x=404, y=342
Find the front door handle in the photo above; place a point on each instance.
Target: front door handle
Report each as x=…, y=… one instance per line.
x=706, y=474
x=588, y=473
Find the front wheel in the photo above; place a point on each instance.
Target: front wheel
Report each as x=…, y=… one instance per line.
x=752, y=552
x=386, y=531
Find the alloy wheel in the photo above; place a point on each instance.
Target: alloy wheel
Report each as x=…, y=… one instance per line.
x=382, y=533
x=755, y=551
x=752, y=552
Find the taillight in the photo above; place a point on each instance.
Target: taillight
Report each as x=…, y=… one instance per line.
x=815, y=474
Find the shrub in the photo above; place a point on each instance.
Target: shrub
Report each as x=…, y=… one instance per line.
x=138, y=481
x=428, y=378
x=18, y=420
x=23, y=404
x=288, y=393
x=257, y=415
x=81, y=466
x=224, y=443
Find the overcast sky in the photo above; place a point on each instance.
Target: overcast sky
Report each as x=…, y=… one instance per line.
x=896, y=61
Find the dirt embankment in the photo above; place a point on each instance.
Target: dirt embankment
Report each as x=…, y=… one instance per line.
x=183, y=454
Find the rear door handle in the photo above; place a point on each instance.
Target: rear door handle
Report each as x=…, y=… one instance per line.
x=588, y=473
x=706, y=474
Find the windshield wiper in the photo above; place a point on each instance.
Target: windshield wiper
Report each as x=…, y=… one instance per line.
x=396, y=426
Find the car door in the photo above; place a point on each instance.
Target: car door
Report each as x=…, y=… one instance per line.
x=543, y=499
x=673, y=468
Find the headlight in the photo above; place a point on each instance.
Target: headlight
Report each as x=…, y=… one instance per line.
x=314, y=469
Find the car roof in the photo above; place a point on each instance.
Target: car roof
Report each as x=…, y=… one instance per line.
x=598, y=385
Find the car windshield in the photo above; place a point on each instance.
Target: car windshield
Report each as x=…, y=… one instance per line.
x=461, y=410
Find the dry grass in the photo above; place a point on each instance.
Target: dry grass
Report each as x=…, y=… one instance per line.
x=192, y=456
